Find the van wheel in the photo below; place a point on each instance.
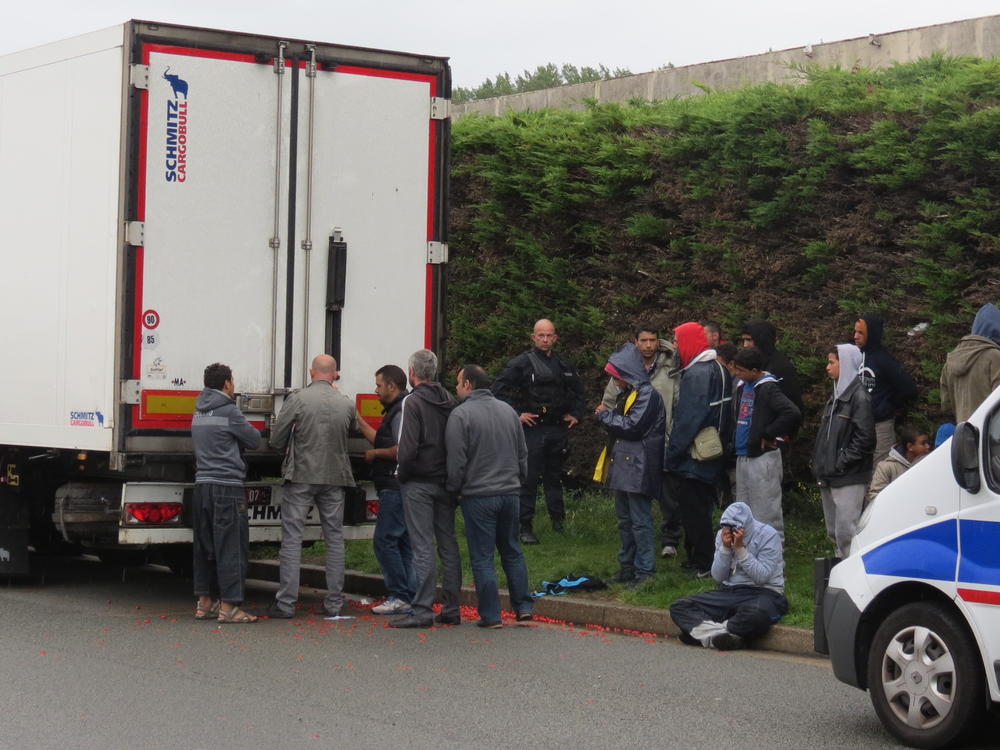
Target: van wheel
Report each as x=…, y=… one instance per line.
x=925, y=677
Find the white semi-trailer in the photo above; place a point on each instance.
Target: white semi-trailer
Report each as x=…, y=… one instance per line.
x=176, y=196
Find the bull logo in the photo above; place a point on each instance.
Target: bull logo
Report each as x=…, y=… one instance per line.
x=178, y=84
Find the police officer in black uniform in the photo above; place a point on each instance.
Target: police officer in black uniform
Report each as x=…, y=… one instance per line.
x=548, y=394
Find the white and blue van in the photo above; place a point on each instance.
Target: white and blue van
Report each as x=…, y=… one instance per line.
x=913, y=614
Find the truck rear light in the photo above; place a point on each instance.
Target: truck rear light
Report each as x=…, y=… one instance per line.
x=153, y=512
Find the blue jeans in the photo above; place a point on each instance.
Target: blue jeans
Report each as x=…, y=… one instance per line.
x=221, y=541
x=491, y=522
x=392, y=546
x=635, y=527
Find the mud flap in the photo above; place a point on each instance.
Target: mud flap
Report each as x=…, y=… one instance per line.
x=14, y=525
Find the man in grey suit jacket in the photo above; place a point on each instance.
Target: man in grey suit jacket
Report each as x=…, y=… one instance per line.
x=312, y=429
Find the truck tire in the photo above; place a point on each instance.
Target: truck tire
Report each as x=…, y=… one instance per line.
x=925, y=677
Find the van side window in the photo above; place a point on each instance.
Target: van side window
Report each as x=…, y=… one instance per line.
x=992, y=469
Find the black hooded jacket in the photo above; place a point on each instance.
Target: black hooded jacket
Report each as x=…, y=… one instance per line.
x=764, y=335
x=889, y=385
x=424, y=414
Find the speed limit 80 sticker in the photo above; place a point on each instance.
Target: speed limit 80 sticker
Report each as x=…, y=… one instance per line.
x=150, y=319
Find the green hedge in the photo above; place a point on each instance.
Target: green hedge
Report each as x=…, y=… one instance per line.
x=807, y=204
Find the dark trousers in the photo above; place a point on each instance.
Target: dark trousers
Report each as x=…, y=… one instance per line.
x=748, y=611
x=696, y=501
x=221, y=541
x=671, y=530
x=546, y=452
x=430, y=521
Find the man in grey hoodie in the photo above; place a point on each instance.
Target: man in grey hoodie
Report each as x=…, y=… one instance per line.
x=487, y=464
x=972, y=369
x=750, y=570
x=220, y=433
x=312, y=429
x=429, y=508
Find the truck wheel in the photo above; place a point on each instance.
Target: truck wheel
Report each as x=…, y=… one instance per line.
x=925, y=677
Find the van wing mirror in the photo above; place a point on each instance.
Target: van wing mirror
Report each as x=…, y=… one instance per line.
x=965, y=457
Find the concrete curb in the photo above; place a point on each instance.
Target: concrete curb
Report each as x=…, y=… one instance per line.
x=577, y=609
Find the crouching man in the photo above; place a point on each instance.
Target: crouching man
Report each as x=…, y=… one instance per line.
x=749, y=568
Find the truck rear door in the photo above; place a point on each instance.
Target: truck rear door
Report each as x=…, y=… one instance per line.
x=286, y=205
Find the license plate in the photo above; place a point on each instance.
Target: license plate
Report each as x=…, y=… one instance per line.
x=257, y=495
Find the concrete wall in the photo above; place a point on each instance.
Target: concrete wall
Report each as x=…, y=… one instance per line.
x=977, y=37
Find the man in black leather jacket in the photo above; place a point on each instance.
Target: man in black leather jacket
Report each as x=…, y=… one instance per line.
x=845, y=444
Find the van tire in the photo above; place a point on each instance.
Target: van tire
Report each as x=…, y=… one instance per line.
x=948, y=697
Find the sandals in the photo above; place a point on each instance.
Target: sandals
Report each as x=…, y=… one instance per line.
x=236, y=616
x=206, y=613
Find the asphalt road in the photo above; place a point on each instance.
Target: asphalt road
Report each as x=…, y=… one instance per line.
x=100, y=657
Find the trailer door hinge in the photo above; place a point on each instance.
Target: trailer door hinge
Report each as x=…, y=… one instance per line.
x=135, y=233
x=437, y=252
x=440, y=108
x=131, y=391
x=138, y=76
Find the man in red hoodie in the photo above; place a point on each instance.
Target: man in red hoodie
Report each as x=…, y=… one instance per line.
x=703, y=401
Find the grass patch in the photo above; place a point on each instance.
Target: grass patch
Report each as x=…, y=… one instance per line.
x=589, y=545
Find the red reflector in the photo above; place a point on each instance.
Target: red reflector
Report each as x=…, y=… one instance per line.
x=373, y=506
x=154, y=512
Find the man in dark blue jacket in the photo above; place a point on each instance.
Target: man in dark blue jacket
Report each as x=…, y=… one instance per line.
x=637, y=425
x=390, y=541
x=889, y=385
x=703, y=402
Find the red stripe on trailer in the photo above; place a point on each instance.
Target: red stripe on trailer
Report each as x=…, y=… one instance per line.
x=212, y=54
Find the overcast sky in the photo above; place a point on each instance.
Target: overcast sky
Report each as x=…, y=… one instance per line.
x=486, y=38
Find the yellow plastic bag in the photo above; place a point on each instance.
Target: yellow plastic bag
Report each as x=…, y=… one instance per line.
x=603, y=469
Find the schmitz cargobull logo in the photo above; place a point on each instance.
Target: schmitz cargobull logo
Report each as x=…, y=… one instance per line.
x=177, y=120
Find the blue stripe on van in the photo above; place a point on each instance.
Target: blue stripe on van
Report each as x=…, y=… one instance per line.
x=929, y=552
x=980, y=552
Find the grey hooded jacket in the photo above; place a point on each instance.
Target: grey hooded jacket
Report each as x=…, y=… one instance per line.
x=220, y=432
x=312, y=429
x=759, y=562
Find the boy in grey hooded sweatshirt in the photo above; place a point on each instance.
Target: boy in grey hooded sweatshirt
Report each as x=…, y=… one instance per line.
x=845, y=445
x=750, y=569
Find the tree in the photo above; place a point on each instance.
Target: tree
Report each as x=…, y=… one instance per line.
x=543, y=77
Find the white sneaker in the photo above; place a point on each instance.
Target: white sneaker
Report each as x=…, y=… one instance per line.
x=668, y=550
x=392, y=606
